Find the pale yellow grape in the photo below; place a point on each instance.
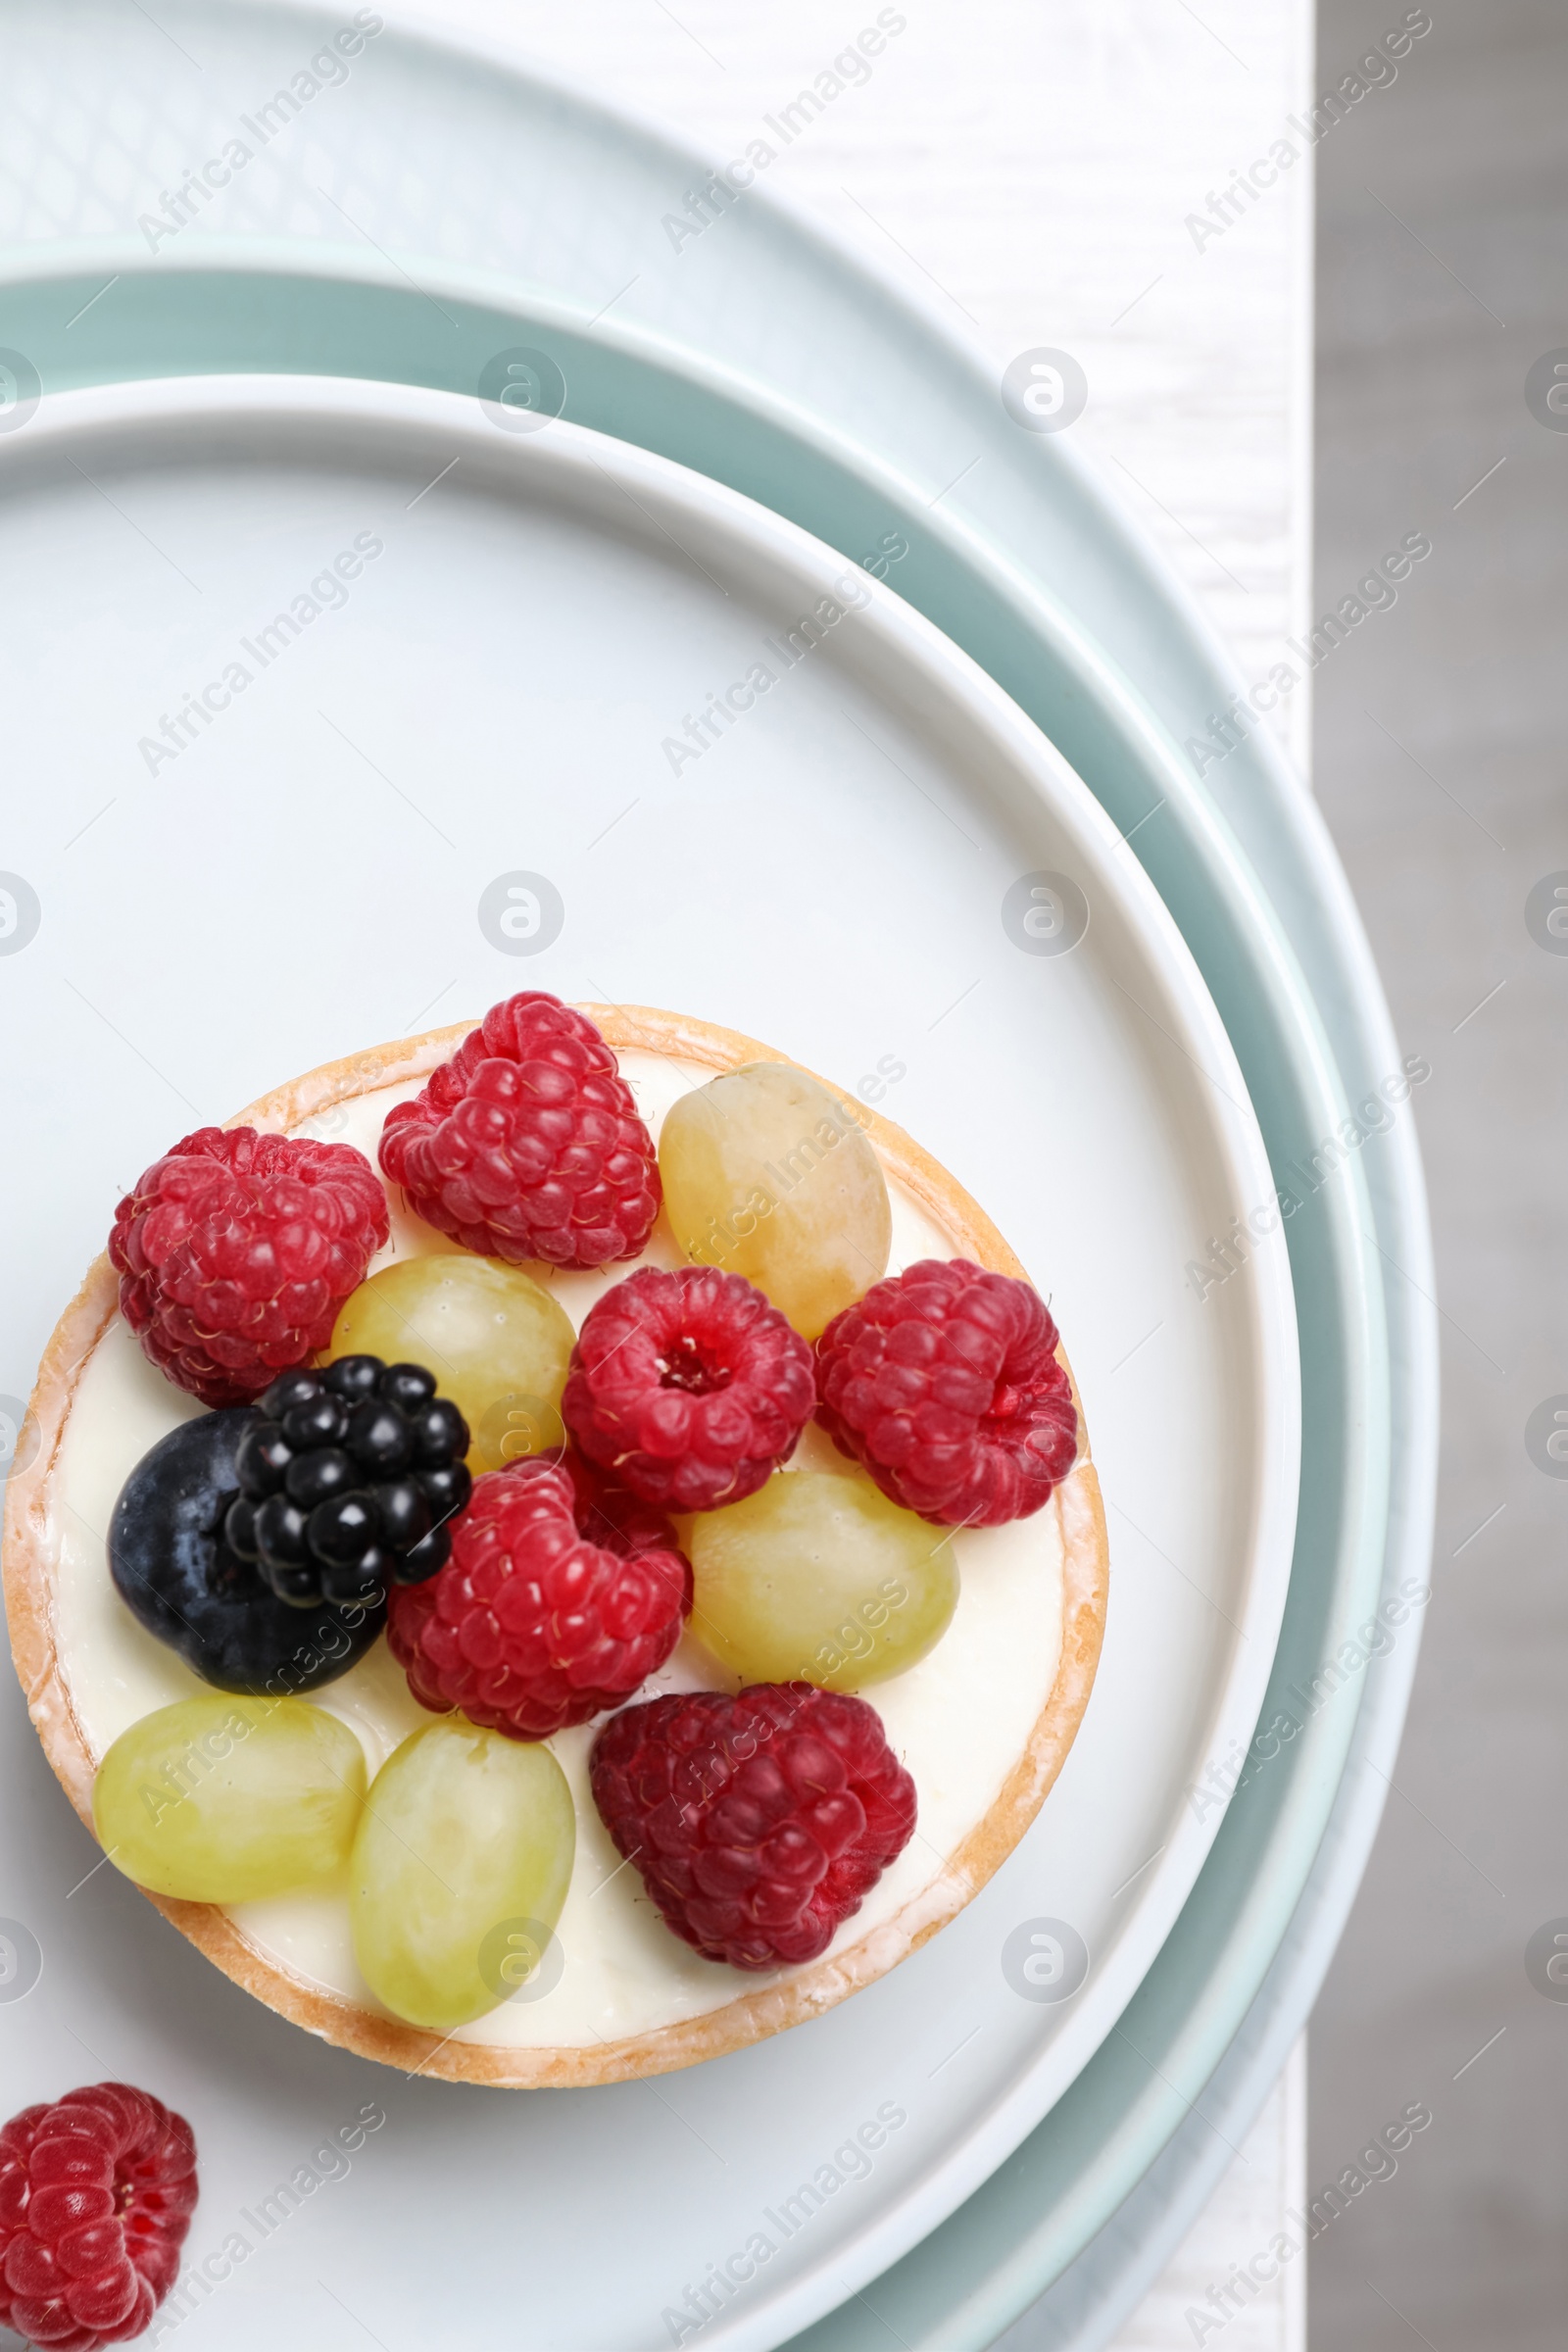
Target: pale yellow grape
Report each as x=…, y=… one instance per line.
x=497, y=1342
x=464, y=1846
x=222, y=1799
x=765, y=1174
x=821, y=1580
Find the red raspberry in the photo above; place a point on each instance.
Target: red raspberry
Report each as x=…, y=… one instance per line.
x=758, y=1823
x=235, y=1251
x=527, y=1143
x=562, y=1596
x=943, y=1382
x=96, y=2194
x=689, y=1386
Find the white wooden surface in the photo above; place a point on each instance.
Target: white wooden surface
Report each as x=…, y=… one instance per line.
x=1194, y=2299
x=1034, y=170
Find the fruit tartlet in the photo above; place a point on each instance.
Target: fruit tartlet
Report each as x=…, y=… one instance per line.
x=557, y=1548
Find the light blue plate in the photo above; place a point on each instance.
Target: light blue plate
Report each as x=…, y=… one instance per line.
x=1028, y=568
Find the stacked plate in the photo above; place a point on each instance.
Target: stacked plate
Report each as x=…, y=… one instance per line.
x=1135, y=1015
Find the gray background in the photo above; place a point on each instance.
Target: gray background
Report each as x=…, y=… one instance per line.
x=1441, y=770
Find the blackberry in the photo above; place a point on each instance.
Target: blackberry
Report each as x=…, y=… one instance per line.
x=349, y=1480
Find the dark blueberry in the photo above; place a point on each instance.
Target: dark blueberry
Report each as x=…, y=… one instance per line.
x=428, y=1555
x=404, y=1512
x=408, y=1386
x=234, y=1578
x=280, y=1532
x=353, y=1376
x=239, y=1527
x=182, y=1581
x=447, y=1489
x=344, y=1530
x=320, y=1420
x=379, y=1438
x=287, y=1390
x=263, y=1454
x=312, y=1476
x=440, y=1435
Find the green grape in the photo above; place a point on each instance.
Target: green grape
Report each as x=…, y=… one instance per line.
x=220, y=1799
x=766, y=1175
x=464, y=1858
x=495, y=1338
x=820, y=1578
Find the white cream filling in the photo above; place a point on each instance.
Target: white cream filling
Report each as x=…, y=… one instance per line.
x=958, y=1721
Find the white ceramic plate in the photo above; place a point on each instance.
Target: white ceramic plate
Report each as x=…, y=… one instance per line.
x=493, y=696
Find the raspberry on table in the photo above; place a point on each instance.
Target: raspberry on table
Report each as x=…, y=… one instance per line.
x=564, y=1593
x=235, y=1250
x=758, y=1823
x=527, y=1143
x=943, y=1384
x=96, y=2194
x=690, y=1386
